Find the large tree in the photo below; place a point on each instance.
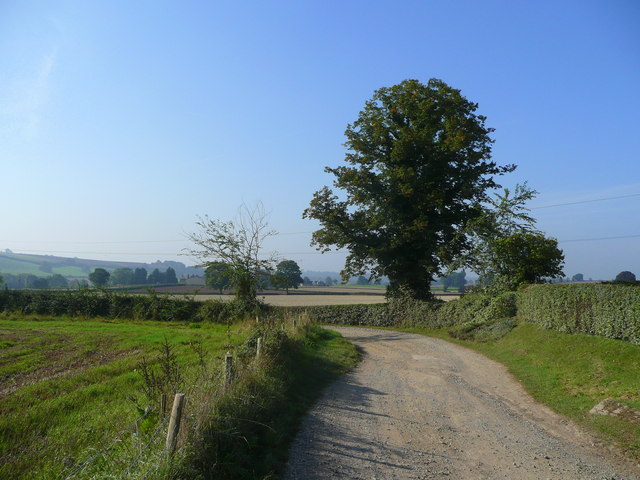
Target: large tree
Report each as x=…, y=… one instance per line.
x=418, y=167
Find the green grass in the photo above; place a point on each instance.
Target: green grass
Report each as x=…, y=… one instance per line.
x=570, y=374
x=16, y=266
x=68, y=385
x=280, y=395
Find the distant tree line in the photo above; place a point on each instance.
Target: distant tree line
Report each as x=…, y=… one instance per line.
x=27, y=280
x=128, y=276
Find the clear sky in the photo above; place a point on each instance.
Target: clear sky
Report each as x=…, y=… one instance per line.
x=121, y=121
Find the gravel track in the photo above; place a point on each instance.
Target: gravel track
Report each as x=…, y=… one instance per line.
x=422, y=408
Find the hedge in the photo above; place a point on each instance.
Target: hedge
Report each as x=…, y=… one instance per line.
x=413, y=313
x=611, y=311
x=91, y=303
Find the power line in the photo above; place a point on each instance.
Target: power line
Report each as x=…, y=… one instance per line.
x=586, y=201
x=598, y=238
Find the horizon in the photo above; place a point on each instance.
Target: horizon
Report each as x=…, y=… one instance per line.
x=121, y=122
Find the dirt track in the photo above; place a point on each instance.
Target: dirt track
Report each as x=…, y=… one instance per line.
x=422, y=408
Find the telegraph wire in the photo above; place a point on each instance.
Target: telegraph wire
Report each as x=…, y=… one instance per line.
x=586, y=201
x=598, y=238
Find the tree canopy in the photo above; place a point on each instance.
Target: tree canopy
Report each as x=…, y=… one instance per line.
x=218, y=275
x=625, y=276
x=238, y=244
x=287, y=275
x=418, y=166
x=99, y=277
x=527, y=258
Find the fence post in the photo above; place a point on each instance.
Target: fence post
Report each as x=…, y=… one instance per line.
x=163, y=404
x=174, y=422
x=259, y=347
x=228, y=370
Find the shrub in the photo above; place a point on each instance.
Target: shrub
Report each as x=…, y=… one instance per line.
x=608, y=310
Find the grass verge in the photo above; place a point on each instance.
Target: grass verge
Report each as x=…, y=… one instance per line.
x=569, y=373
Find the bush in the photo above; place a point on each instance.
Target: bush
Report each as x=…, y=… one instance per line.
x=611, y=311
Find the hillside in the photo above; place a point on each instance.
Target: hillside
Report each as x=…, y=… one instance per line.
x=78, y=268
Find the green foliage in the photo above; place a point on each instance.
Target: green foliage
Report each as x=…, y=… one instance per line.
x=88, y=303
x=504, y=215
x=238, y=245
x=218, y=275
x=248, y=433
x=455, y=279
x=122, y=276
x=419, y=163
x=625, y=276
x=287, y=275
x=99, y=277
x=608, y=310
x=524, y=258
x=139, y=276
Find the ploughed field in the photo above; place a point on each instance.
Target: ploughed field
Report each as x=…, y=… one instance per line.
x=71, y=387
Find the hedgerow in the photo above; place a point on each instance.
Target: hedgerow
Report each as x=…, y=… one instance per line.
x=611, y=311
x=92, y=303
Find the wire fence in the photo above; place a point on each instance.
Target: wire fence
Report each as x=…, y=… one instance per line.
x=141, y=450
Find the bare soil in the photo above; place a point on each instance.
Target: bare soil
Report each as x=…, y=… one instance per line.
x=422, y=408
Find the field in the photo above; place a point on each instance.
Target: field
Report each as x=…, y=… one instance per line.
x=301, y=297
x=72, y=375
x=80, y=398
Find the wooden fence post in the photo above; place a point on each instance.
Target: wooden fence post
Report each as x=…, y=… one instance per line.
x=228, y=370
x=174, y=423
x=163, y=404
x=259, y=347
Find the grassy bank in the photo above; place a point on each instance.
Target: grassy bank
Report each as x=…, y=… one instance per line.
x=74, y=402
x=570, y=373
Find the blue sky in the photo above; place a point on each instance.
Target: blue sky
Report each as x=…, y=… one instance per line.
x=122, y=121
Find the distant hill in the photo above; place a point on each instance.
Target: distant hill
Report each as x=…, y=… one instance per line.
x=79, y=268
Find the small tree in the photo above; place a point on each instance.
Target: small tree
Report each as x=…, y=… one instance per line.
x=139, y=276
x=121, y=276
x=156, y=277
x=170, y=276
x=578, y=277
x=625, y=276
x=99, y=277
x=527, y=258
x=306, y=281
x=328, y=281
x=218, y=275
x=288, y=275
x=238, y=244
x=57, y=281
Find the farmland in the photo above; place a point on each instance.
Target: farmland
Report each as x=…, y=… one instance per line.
x=67, y=375
x=301, y=297
x=80, y=398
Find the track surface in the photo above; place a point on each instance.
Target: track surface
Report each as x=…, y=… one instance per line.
x=422, y=408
